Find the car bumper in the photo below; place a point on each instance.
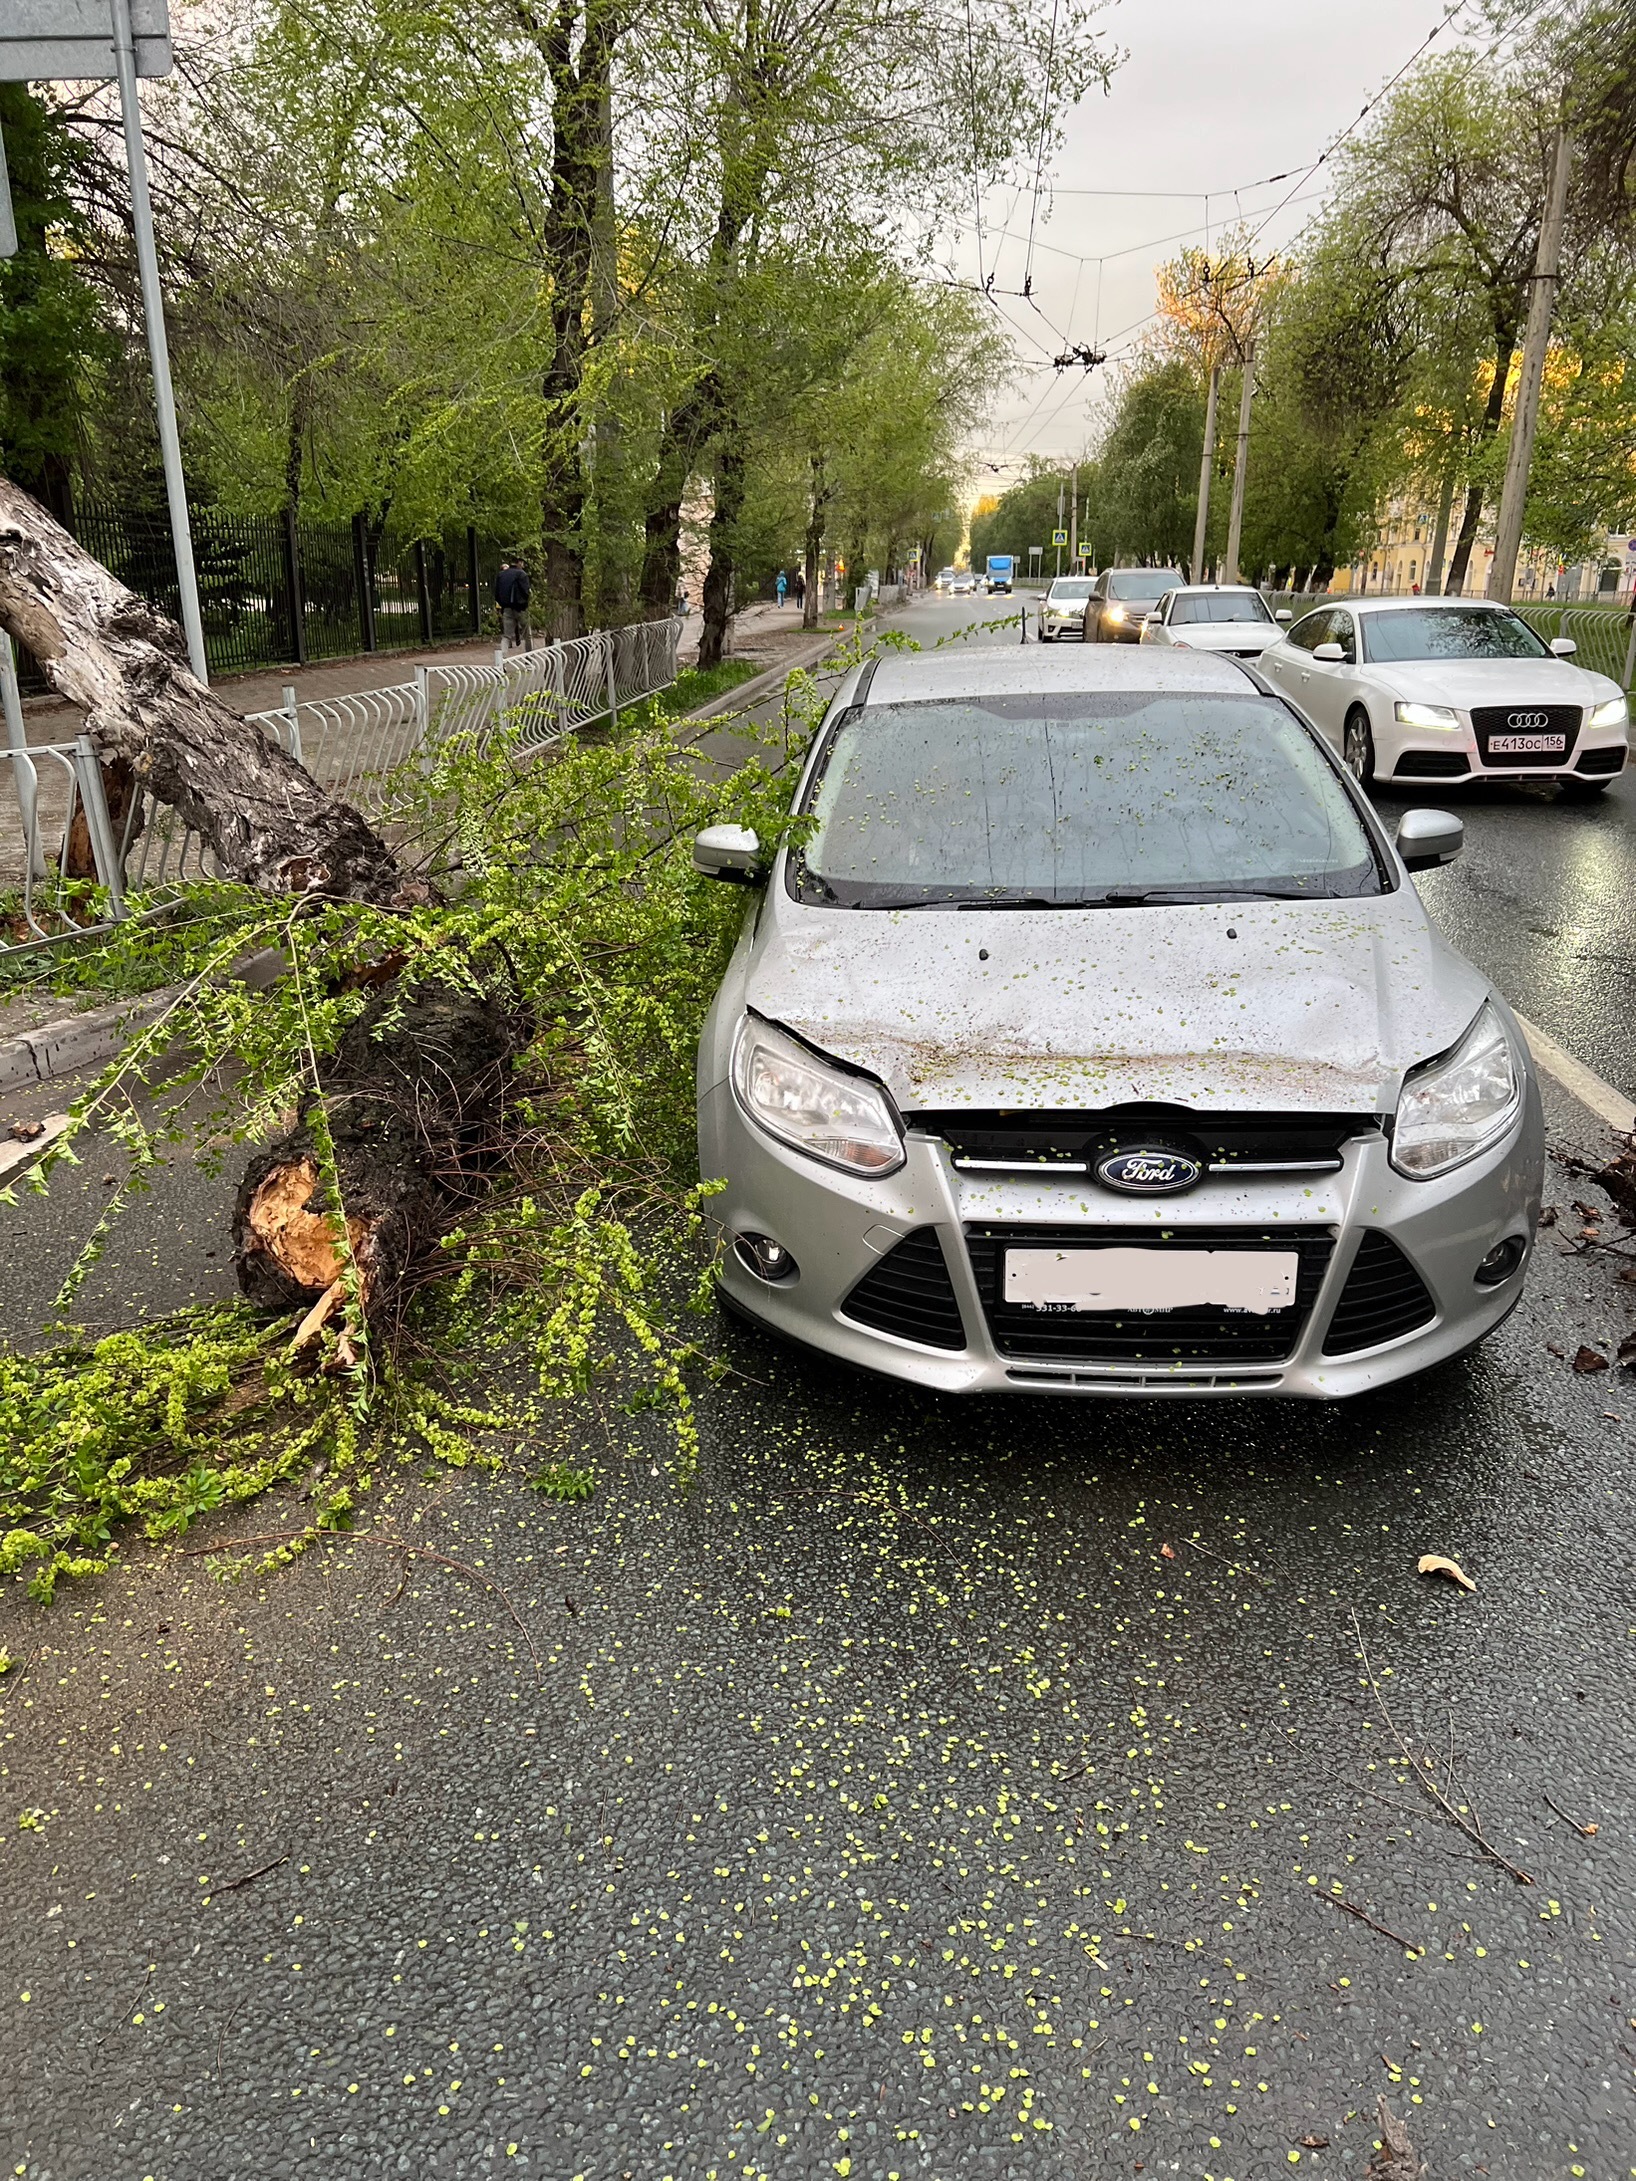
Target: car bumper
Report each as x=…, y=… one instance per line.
x=840, y=1228
x=1423, y=758
x=1053, y=625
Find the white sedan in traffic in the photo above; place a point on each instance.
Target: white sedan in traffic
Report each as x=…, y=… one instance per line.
x=1228, y=617
x=1062, y=611
x=1448, y=689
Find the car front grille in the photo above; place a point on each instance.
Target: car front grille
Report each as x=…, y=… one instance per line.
x=1157, y=1338
x=1384, y=1298
x=1509, y=719
x=1068, y=1144
x=909, y=1293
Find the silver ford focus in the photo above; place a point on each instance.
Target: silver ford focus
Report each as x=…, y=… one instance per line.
x=1091, y=1038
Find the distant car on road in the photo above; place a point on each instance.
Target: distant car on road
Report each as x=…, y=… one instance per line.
x=1121, y=600
x=1091, y=1037
x=1450, y=689
x=962, y=584
x=1062, y=611
x=998, y=571
x=1233, y=618
x=945, y=576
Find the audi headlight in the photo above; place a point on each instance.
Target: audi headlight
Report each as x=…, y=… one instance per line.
x=1615, y=713
x=812, y=1104
x=1455, y=1107
x=1427, y=715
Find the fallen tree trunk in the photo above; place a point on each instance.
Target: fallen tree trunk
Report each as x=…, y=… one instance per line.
x=268, y=821
x=416, y=1116
x=414, y=1098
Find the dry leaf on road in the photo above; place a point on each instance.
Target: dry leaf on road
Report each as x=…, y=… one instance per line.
x=1433, y=1563
x=1590, y=1359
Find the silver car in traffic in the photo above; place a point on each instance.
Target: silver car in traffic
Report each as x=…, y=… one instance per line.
x=1092, y=1038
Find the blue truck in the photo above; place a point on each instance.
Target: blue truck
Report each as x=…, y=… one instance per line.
x=1000, y=567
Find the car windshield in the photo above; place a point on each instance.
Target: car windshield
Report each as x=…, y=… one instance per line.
x=1143, y=582
x=1079, y=798
x=1076, y=588
x=1219, y=606
x=1450, y=632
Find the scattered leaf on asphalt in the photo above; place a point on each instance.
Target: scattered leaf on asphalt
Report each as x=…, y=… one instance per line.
x=1590, y=1359
x=1627, y=1351
x=1433, y=1563
x=1547, y=1218
x=1167, y=1552
x=1315, y=2143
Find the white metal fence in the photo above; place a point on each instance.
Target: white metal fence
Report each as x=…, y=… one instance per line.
x=350, y=744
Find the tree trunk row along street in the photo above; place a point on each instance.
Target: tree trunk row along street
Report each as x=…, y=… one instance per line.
x=931, y=1790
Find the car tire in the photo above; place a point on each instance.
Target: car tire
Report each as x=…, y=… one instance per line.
x=1358, y=747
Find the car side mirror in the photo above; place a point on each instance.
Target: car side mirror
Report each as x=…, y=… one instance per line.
x=1563, y=646
x=1426, y=838
x=732, y=852
x=1283, y=614
x=1331, y=653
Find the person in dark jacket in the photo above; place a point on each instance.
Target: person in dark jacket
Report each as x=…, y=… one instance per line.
x=512, y=592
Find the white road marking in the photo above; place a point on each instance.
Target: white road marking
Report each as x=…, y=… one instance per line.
x=1579, y=1081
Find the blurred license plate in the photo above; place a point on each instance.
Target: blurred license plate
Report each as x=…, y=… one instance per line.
x=1519, y=745
x=1142, y=1279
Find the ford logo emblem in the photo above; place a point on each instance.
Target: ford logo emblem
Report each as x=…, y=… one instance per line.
x=1528, y=722
x=1148, y=1173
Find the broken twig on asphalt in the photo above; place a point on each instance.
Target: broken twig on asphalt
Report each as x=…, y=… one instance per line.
x=1350, y=1908
x=1585, y=1832
x=250, y=1877
x=1463, y=1821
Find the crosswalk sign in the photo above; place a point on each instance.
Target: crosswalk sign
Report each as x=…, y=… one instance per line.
x=1059, y=537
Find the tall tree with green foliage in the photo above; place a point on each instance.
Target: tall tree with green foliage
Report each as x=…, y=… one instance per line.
x=53, y=334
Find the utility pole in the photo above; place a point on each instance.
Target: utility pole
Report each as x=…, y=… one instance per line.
x=1206, y=467
x=1059, y=524
x=153, y=312
x=1502, y=573
x=1073, y=518
x=1241, y=467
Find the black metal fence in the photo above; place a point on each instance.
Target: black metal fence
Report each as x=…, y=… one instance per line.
x=273, y=591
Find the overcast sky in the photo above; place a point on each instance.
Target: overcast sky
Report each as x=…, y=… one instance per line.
x=1215, y=95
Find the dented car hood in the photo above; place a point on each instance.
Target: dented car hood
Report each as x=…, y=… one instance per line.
x=1240, y=1006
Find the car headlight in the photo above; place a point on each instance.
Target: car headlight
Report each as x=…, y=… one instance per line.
x=1455, y=1107
x=1615, y=713
x=1116, y=613
x=812, y=1104
x=1427, y=715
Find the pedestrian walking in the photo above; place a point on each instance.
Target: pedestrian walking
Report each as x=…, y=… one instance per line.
x=512, y=592
x=800, y=588
x=782, y=585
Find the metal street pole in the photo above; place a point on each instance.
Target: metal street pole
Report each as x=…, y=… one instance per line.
x=1241, y=470
x=1059, y=525
x=1206, y=466
x=1073, y=518
x=153, y=311
x=1502, y=572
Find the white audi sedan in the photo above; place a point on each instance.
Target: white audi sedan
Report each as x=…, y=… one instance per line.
x=1229, y=617
x=1450, y=689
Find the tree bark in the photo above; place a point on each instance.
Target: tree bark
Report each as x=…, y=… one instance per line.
x=718, y=582
x=269, y=823
x=817, y=508
x=416, y=1117
x=1493, y=411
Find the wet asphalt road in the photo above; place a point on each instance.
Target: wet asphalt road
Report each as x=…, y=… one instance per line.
x=935, y=1790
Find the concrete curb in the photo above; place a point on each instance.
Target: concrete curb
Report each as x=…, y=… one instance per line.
x=750, y=692
x=88, y=1040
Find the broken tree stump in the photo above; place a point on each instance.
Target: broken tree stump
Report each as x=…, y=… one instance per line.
x=416, y=1097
